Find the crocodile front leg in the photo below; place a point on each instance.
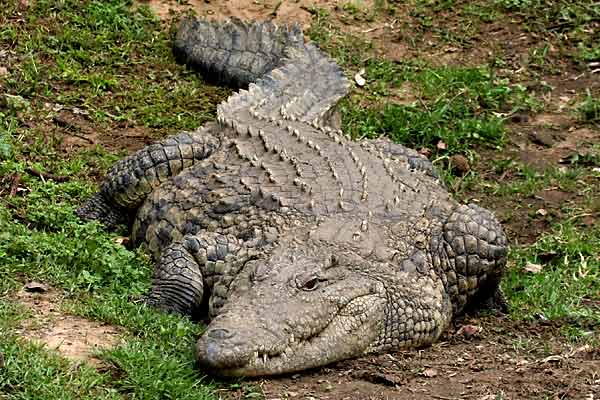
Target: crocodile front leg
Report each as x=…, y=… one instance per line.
x=187, y=267
x=472, y=257
x=131, y=179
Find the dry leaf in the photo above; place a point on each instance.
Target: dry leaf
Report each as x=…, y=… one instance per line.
x=36, y=287
x=429, y=373
x=122, y=240
x=441, y=145
x=555, y=358
x=460, y=163
x=426, y=152
x=533, y=268
x=359, y=79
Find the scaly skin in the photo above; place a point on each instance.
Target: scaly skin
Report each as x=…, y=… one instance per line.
x=302, y=246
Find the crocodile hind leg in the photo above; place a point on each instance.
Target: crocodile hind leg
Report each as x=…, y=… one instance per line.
x=187, y=268
x=131, y=179
x=473, y=255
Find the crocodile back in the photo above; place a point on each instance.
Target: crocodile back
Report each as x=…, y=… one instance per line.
x=277, y=129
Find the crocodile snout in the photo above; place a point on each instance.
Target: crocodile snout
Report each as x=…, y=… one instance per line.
x=216, y=351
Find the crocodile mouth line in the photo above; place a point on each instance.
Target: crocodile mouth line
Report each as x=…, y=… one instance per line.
x=262, y=358
x=277, y=360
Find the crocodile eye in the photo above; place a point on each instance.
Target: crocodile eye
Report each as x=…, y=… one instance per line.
x=311, y=284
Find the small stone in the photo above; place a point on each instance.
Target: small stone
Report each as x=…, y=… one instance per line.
x=469, y=331
x=543, y=138
x=429, y=373
x=519, y=118
x=35, y=287
x=441, y=145
x=460, y=163
x=3, y=71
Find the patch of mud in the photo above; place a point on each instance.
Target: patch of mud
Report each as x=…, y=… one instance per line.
x=75, y=131
x=282, y=12
x=550, y=148
x=72, y=337
x=502, y=360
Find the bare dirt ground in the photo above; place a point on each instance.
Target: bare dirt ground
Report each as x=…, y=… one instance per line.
x=72, y=337
x=488, y=364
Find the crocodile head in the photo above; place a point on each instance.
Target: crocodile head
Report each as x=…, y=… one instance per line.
x=310, y=303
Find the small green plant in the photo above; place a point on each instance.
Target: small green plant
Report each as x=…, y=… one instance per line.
x=517, y=4
x=589, y=109
x=348, y=51
x=456, y=106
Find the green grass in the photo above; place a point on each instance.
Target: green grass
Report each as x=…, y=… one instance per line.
x=458, y=106
x=589, y=109
x=114, y=62
x=107, y=58
x=462, y=107
x=567, y=288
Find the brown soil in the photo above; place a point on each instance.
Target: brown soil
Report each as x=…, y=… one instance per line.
x=74, y=131
x=501, y=360
x=72, y=337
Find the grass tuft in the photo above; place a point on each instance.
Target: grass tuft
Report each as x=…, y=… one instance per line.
x=568, y=286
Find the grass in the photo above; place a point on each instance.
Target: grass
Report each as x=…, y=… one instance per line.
x=461, y=107
x=106, y=58
x=112, y=61
x=589, y=109
x=567, y=288
x=88, y=55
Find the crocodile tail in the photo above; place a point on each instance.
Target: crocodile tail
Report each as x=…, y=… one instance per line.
x=286, y=78
x=234, y=52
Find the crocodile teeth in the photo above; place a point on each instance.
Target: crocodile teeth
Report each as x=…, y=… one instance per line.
x=265, y=358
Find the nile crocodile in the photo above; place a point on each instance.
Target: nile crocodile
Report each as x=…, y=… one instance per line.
x=302, y=246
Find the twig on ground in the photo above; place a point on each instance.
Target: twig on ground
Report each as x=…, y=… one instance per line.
x=14, y=184
x=46, y=175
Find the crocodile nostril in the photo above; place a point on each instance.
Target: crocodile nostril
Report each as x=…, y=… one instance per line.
x=220, y=333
